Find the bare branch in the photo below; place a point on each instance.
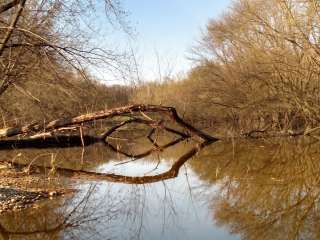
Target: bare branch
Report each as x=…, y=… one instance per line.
x=12, y=26
x=9, y=5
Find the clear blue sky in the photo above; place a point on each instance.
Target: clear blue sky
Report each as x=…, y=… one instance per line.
x=168, y=29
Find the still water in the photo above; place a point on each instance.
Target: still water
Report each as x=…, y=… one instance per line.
x=261, y=189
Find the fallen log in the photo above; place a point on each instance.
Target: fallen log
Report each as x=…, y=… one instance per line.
x=63, y=141
x=105, y=114
x=53, y=140
x=45, y=139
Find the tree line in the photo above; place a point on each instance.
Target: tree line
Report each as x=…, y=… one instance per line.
x=257, y=69
x=47, y=53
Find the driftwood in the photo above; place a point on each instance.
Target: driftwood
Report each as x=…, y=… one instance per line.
x=255, y=134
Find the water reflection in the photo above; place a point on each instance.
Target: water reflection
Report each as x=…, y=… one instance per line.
x=266, y=189
x=69, y=218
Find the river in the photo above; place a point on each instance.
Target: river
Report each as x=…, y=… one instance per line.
x=240, y=189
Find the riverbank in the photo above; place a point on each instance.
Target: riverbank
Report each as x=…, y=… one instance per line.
x=20, y=190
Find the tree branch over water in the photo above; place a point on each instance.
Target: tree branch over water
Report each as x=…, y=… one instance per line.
x=105, y=114
x=40, y=140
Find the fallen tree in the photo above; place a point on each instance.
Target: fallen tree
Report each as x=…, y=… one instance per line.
x=49, y=135
x=43, y=130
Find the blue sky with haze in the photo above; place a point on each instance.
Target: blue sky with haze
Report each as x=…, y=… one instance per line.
x=166, y=30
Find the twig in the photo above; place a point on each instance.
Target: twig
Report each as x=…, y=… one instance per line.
x=12, y=26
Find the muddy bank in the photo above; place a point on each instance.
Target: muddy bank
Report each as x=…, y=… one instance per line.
x=15, y=199
x=20, y=189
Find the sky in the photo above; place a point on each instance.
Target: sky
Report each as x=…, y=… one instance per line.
x=165, y=31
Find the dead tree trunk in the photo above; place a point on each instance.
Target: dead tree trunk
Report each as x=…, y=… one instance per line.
x=63, y=140
x=105, y=114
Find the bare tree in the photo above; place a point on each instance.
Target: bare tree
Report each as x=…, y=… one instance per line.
x=53, y=37
x=263, y=58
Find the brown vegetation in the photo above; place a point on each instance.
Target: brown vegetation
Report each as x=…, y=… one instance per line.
x=258, y=69
x=46, y=56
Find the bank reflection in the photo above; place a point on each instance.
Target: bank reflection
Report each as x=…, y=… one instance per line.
x=161, y=210
x=267, y=189
x=92, y=213
x=261, y=189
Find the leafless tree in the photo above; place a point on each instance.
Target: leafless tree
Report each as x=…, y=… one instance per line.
x=52, y=37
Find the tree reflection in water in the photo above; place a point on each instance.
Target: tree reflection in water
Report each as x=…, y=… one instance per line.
x=267, y=190
x=107, y=213
x=257, y=189
x=53, y=219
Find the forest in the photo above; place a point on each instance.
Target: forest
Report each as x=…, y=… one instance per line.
x=256, y=68
x=242, y=120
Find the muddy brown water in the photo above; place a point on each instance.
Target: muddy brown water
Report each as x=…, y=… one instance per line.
x=262, y=189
